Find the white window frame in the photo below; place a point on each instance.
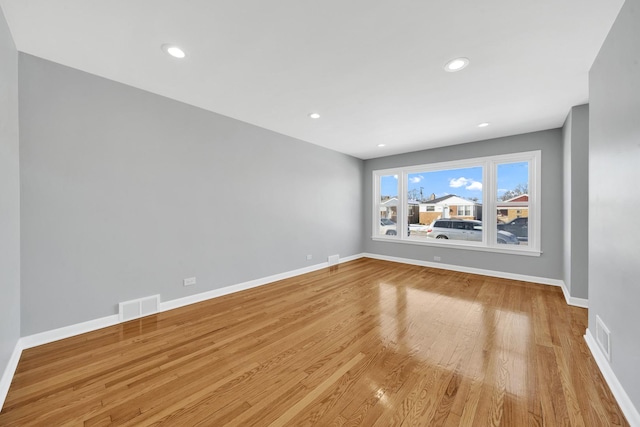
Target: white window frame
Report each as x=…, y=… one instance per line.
x=489, y=166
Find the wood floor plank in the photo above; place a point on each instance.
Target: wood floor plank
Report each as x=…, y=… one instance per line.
x=366, y=343
x=316, y=392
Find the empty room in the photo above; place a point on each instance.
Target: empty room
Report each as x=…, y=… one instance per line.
x=338, y=213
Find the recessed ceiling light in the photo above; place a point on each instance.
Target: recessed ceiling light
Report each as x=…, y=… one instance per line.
x=381, y=145
x=456, y=64
x=483, y=125
x=314, y=115
x=174, y=51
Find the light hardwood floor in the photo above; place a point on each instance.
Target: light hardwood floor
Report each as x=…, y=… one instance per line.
x=368, y=343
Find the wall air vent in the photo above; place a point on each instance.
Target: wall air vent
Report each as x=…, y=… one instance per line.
x=139, y=307
x=603, y=337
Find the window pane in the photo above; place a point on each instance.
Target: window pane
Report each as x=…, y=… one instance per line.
x=447, y=194
x=388, y=205
x=513, y=203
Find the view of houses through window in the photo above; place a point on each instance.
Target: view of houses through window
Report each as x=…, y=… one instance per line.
x=512, y=195
x=450, y=204
x=445, y=194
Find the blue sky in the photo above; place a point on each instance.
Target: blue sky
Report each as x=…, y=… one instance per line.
x=465, y=182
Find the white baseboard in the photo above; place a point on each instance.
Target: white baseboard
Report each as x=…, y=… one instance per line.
x=492, y=273
x=472, y=270
x=350, y=258
x=578, y=302
x=92, y=325
x=9, y=371
x=68, y=331
x=627, y=407
x=45, y=338
x=215, y=293
x=103, y=322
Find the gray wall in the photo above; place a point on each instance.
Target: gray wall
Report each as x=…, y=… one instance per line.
x=125, y=193
x=9, y=197
x=548, y=265
x=614, y=174
x=575, y=136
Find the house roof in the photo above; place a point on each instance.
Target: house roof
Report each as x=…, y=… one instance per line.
x=518, y=199
x=439, y=199
x=456, y=200
x=392, y=201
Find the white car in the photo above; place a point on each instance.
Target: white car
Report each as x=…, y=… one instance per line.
x=464, y=229
x=387, y=227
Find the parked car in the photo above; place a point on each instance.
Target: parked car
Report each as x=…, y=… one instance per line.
x=465, y=229
x=517, y=226
x=387, y=227
x=418, y=228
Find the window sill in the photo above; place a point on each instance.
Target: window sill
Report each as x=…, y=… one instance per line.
x=469, y=247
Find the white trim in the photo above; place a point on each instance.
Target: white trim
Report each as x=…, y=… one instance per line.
x=621, y=396
x=9, y=372
x=472, y=270
x=68, y=331
x=215, y=293
x=350, y=258
x=578, y=302
x=470, y=246
x=103, y=322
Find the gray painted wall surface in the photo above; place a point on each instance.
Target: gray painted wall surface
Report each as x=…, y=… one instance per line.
x=576, y=201
x=614, y=173
x=9, y=197
x=548, y=265
x=125, y=193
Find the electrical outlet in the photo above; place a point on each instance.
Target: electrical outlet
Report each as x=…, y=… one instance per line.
x=437, y=258
x=189, y=281
x=309, y=257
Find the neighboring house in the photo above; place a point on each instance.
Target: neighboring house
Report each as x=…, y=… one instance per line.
x=413, y=212
x=450, y=206
x=389, y=210
x=516, y=207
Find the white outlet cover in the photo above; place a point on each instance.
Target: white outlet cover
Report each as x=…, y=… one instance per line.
x=189, y=281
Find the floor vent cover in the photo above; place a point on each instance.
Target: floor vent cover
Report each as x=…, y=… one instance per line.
x=139, y=307
x=603, y=337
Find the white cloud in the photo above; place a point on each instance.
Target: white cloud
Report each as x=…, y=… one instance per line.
x=467, y=183
x=474, y=186
x=416, y=179
x=458, y=182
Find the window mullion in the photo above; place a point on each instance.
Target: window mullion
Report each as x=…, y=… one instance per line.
x=490, y=219
x=403, y=200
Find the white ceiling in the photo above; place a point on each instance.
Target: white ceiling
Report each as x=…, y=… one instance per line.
x=372, y=68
